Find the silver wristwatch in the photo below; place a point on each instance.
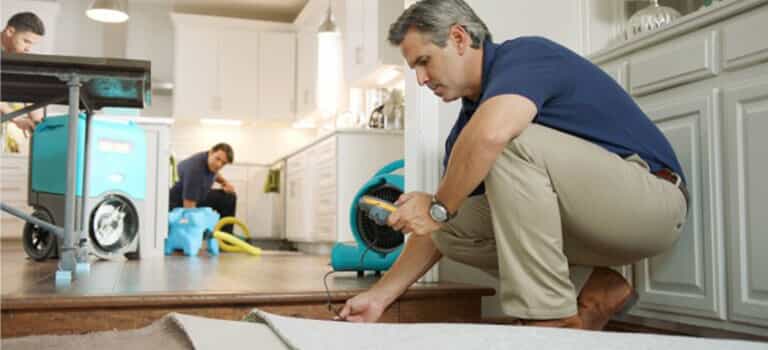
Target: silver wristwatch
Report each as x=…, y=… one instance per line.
x=438, y=211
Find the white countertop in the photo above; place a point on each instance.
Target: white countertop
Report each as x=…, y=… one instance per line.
x=688, y=23
x=137, y=119
x=325, y=136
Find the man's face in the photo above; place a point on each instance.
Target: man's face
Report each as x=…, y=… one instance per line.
x=19, y=42
x=440, y=69
x=217, y=160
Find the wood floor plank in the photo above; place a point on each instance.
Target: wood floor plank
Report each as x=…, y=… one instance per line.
x=132, y=294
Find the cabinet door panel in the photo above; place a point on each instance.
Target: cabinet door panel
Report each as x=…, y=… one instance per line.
x=260, y=204
x=742, y=44
x=239, y=73
x=196, y=89
x=277, y=75
x=241, y=209
x=746, y=124
x=306, y=68
x=688, y=279
x=677, y=62
x=298, y=199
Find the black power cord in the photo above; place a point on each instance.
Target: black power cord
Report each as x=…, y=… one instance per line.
x=334, y=310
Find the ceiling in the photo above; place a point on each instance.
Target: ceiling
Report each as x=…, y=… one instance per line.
x=267, y=10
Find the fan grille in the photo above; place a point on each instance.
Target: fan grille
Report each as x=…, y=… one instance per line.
x=382, y=239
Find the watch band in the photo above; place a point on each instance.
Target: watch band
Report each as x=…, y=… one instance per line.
x=447, y=212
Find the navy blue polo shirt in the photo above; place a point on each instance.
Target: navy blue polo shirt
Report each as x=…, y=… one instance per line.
x=572, y=95
x=195, y=180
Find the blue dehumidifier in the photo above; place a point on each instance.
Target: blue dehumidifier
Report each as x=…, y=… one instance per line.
x=116, y=185
x=378, y=246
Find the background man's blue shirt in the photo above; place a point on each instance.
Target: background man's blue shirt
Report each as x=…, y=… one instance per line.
x=195, y=180
x=572, y=95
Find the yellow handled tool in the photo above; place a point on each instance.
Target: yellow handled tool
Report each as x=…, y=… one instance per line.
x=377, y=209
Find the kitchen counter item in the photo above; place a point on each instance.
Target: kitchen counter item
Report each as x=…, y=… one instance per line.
x=650, y=19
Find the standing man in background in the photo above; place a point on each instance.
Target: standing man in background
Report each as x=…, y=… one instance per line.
x=550, y=165
x=22, y=31
x=196, y=176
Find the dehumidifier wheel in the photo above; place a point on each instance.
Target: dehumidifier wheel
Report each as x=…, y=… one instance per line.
x=114, y=225
x=40, y=244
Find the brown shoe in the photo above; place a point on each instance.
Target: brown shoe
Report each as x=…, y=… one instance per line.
x=568, y=322
x=605, y=294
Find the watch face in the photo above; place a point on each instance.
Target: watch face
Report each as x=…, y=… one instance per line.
x=438, y=213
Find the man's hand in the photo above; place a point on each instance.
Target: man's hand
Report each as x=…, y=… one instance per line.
x=228, y=187
x=412, y=215
x=364, y=307
x=26, y=124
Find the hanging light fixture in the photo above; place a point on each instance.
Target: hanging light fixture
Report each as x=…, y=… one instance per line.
x=329, y=66
x=109, y=11
x=329, y=26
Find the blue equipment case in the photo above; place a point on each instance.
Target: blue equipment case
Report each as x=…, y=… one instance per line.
x=115, y=190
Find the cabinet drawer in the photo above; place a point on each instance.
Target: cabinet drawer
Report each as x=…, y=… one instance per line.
x=617, y=71
x=743, y=43
x=13, y=188
x=326, y=186
x=325, y=175
x=10, y=166
x=325, y=147
x=325, y=227
x=296, y=163
x=325, y=203
x=677, y=62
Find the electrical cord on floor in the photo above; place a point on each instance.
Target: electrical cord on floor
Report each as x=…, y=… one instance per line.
x=336, y=311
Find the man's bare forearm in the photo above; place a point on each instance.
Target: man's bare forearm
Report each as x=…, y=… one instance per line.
x=418, y=256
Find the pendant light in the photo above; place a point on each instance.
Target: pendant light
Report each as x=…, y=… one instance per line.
x=108, y=11
x=329, y=26
x=328, y=84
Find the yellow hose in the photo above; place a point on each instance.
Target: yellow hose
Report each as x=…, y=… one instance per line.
x=233, y=241
x=229, y=244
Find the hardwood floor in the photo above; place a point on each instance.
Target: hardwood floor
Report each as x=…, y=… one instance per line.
x=132, y=294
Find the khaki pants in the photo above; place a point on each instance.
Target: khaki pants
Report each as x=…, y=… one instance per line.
x=554, y=200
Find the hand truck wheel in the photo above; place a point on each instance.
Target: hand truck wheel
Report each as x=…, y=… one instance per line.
x=39, y=244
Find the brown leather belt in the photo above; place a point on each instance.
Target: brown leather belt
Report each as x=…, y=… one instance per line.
x=672, y=177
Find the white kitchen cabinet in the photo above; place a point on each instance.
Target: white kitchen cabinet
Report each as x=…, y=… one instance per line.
x=233, y=68
x=254, y=207
x=746, y=166
x=239, y=74
x=688, y=279
x=705, y=85
x=196, y=90
x=297, y=193
x=366, y=48
x=323, y=179
x=277, y=83
x=306, y=70
x=260, y=205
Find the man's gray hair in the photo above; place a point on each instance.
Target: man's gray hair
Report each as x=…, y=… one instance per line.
x=435, y=18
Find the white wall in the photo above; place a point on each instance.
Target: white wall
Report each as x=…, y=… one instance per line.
x=78, y=35
x=252, y=144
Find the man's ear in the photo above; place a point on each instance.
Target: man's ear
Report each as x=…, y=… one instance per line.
x=460, y=38
x=9, y=31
